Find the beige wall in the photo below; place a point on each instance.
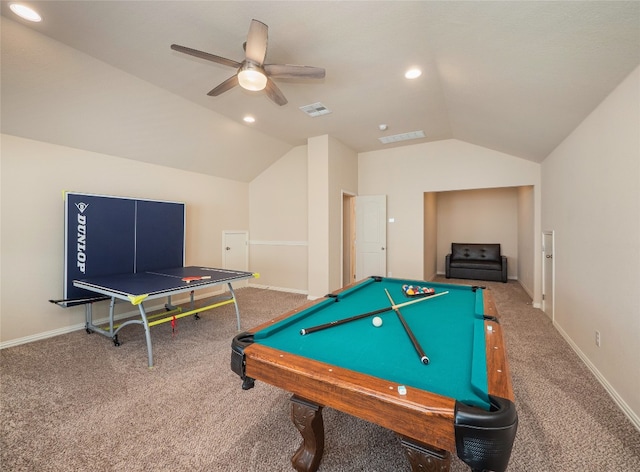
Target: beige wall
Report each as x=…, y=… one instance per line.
x=278, y=208
x=405, y=173
x=479, y=216
x=591, y=200
x=430, y=235
x=332, y=169
x=343, y=177
x=296, y=217
x=34, y=176
x=318, y=215
x=527, y=250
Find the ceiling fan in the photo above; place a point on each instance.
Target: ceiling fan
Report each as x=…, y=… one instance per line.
x=253, y=74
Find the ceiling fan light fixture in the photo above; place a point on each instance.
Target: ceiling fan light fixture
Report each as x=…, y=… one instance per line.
x=250, y=77
x=252, y=73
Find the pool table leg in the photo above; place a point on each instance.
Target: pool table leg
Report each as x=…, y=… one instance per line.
x=426, y=458
x=307, y=417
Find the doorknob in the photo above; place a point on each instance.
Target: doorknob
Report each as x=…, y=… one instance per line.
x=382, y=248
x=549, y=256
x=228, y=248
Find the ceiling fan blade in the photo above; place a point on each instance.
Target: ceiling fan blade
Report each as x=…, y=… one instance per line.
x=224, y=86
x=256, y=46
x=274, y=93
x=206, y=55
x=288, y=71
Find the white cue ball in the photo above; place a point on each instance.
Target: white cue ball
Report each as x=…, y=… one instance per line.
x=377, y=321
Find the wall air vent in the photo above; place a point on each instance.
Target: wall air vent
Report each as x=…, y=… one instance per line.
x=315, y=109
x=402, y=137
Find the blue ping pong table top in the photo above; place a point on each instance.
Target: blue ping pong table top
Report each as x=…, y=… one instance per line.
x=159, y=282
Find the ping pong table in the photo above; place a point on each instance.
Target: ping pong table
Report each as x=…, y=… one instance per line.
x=137, y=288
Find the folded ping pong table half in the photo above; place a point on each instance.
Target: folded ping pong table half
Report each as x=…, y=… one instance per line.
x=140, y=287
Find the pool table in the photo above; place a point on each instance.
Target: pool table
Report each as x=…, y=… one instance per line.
x=328, y=353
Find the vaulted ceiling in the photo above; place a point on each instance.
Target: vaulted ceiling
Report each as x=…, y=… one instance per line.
x=516, y=77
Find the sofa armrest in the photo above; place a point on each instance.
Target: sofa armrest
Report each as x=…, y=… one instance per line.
x=447, y=268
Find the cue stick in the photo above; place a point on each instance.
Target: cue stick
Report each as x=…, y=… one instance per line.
x=331, y=324
x=423, y=357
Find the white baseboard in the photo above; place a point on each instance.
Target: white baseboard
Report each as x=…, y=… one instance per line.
x=628, y=412
x=97, y=322
x=64, y=330
x=40, y=336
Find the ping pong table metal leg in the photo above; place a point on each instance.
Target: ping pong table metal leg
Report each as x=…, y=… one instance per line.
x=88, y=317
x=91, y=328
x=112, y=332
x=193, y=304
x=235, y=303
x=112, y=307
x=147, y=333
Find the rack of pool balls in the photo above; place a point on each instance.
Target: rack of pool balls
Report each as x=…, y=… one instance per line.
x=417, y=291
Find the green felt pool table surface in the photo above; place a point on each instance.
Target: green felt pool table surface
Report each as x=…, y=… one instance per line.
x=449, y=327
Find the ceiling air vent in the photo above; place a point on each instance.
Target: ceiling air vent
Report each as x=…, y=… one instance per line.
x=402, y=137
x=315, y=109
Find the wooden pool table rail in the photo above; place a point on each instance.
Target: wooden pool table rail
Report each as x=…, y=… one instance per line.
x=499, y=376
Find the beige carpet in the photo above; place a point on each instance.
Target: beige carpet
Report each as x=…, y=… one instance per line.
x=77, y=403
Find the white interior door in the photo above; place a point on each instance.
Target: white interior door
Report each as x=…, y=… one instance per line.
x=371, y=236
x=548, y=268
x=235, y=253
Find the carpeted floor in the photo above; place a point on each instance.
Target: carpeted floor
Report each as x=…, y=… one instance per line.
x=77, y=403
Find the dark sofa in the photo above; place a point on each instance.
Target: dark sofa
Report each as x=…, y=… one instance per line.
x=476, y=261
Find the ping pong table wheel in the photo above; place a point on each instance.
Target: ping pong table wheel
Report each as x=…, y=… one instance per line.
x=115, y=341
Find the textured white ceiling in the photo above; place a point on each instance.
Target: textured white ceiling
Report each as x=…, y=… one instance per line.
x=516, y=77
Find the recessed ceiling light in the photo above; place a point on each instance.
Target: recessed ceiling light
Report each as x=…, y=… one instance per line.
x=249, y=119
x=25, y=12
x=413, y=73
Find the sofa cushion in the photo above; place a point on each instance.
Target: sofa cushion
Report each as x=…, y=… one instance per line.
x=475, y=264
x=475, y=252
